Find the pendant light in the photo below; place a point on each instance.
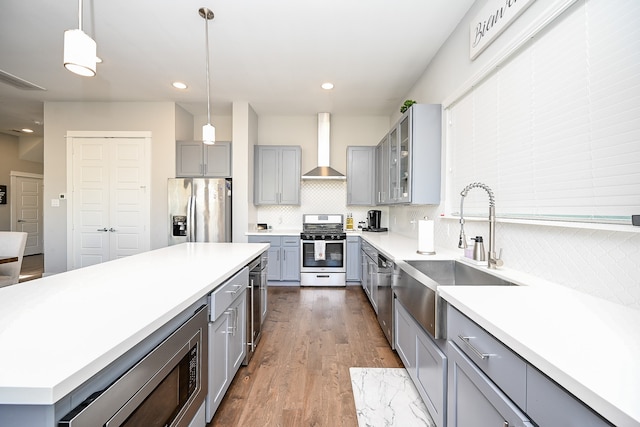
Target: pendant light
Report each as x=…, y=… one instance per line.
x=208, y=130
x=79, y=50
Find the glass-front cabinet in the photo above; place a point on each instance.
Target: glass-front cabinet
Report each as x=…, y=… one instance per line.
x=394, y=166
x=404, y=151
x=382, y=172
x=408, y=158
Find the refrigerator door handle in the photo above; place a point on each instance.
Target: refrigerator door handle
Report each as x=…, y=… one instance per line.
x=190, y=218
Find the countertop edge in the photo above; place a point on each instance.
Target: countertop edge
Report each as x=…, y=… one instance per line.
x=49, y=395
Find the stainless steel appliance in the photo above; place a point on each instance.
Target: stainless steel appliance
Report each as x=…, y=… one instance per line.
x=166, y=388
x=386, y=270
x=374, y=221
x=323, y=249
x=256, y=303
x=199, y=210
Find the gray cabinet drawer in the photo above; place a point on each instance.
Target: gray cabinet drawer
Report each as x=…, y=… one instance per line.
x=474, y=400
x=226, y=293
x=272, y=240
x=549, y=405
x=502, y=365
x=290, y=240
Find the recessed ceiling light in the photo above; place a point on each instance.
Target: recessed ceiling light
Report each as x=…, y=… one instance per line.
x=179, y=85
x=27, y=130
x=327, y=86
x=98, y=60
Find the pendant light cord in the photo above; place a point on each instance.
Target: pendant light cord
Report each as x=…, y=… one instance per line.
x=206, y=31
x=80, y=15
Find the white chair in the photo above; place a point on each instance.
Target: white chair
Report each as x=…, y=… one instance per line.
x=12, y=244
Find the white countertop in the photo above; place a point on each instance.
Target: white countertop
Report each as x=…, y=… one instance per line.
x=588, y=345
x=59, y=331
x=284, y=232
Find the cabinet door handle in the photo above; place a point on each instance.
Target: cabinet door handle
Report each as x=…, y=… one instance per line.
x=472, y=348
x=102, y=229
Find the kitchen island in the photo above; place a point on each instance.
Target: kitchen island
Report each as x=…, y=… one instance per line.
x=58, y=332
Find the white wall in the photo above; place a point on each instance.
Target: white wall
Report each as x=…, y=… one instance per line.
x=604, y=263
x=318, y=196
x=12, y=160
x=60, y=117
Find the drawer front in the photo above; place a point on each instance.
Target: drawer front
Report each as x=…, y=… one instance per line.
x=498, y=362
x=290, y=240
x=550, y=405
x=474, y=400
x=272, y=240
x=226, y=293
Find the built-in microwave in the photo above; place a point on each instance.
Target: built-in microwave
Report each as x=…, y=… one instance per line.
x=166, y=388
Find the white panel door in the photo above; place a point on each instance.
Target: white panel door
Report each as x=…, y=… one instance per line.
x=90, y=200
x=110, y=199
x=129, y=204
x=28, y=196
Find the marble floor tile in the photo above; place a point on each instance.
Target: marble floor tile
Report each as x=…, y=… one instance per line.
x=387, y=397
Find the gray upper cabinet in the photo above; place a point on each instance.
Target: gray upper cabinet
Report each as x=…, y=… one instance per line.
x=361, y=175
x=277, y=174
x=195, y=159
x=382, y=170
x=411, y=156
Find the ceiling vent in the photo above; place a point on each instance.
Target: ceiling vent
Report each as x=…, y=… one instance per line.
x=17, y=82
x=324, y=171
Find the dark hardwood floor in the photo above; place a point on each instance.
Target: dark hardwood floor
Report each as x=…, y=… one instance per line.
x=299, y=375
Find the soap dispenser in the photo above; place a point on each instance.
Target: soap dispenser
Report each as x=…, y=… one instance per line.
x=478, y=249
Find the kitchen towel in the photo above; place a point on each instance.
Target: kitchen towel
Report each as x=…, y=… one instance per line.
x=426, y=243
x=319, y=247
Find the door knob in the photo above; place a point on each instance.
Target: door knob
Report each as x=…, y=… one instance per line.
x=112, y=229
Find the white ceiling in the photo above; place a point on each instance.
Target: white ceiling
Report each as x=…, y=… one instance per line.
x=272, y=54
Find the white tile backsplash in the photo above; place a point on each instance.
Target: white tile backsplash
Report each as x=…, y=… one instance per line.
x=317, y=197
x=602, y=263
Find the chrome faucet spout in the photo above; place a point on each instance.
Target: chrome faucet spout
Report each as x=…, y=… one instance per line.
x=493, y=260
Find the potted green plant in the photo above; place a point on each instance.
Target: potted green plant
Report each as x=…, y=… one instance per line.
x=407, y=104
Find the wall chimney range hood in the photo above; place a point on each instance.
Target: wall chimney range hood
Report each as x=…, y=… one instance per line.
x=324, y=171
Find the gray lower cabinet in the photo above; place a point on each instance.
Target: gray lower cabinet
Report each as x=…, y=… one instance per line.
x=474, y=400
x=361, y=164
x=425, y=362
x=353, y=259
x=490, y=385
x=284, y=257
x=277, y=175
x=549, y=405
x=369, y=273
x=195, y=159
x=227, y=337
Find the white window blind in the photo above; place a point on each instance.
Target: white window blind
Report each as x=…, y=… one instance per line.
x=555, y=130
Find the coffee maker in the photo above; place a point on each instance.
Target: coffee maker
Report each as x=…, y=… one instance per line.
x=374, y=221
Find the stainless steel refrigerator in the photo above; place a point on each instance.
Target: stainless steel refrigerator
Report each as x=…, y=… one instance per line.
x=199, y=210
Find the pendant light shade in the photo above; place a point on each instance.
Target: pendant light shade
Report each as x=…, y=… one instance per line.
x=79, y=50
x=209, y=134
x=79, y=53
x=208, y=130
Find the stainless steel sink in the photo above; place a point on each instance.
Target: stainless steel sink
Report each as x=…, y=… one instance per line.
x=448, y=273
x=415, y=286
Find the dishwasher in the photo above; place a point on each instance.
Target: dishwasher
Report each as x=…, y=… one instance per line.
x=256, y=303
x=385, y=297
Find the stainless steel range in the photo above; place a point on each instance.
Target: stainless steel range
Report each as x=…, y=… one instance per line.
x=323, y=249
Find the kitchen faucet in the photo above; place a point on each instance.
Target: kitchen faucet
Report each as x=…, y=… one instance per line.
x=493, y=260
